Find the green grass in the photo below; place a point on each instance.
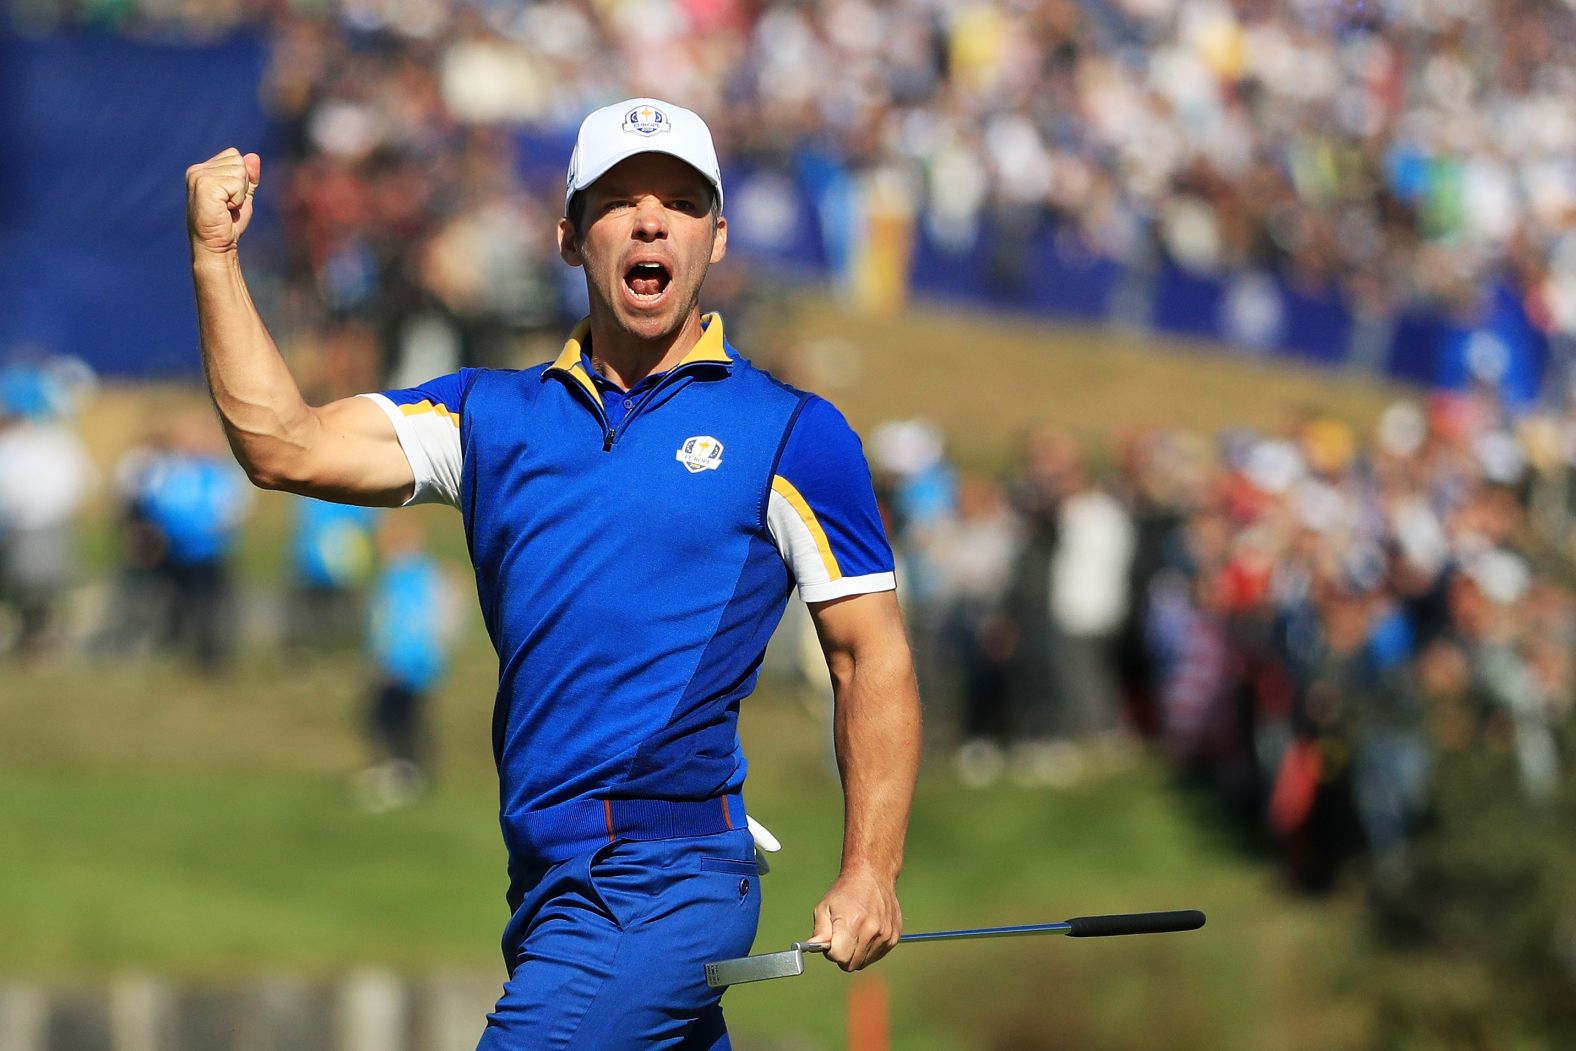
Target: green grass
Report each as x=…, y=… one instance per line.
x=153, y=820
x=210, y=875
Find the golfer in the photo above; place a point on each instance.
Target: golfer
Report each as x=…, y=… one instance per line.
x=637, y=512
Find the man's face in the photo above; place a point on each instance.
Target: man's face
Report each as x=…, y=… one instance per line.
x=648, y=242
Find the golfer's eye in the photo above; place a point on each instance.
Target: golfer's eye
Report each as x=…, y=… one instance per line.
x=687, y=207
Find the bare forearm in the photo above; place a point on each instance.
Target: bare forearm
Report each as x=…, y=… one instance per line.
x=264, y=415
x=347, y=450
x=877, y=735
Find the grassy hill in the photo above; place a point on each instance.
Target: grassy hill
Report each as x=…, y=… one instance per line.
x=988, y=380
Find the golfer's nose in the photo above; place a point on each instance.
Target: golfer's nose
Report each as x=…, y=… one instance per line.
x=651, y=220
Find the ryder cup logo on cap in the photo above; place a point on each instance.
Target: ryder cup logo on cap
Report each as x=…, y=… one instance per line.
x=620, y=131
x=646, y=120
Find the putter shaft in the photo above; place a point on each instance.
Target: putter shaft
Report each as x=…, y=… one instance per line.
x=790, y=962
x=991, y=932
x=1064, y=927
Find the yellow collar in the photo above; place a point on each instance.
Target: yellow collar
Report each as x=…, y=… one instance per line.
x=709, y=348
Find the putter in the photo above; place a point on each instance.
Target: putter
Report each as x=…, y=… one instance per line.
x=790, y=962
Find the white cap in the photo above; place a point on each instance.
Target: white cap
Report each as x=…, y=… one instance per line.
x=614, y=133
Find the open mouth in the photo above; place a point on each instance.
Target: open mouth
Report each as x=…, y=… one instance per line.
x=648, y=281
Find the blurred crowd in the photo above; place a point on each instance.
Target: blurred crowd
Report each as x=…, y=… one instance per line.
x=179, y=504
x=1304, y=622
x=1389, y=151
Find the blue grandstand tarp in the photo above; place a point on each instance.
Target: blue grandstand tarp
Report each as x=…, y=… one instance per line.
x=95, y=135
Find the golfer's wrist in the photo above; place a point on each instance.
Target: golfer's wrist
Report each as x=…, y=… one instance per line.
x=207, y=261
x=871, y=870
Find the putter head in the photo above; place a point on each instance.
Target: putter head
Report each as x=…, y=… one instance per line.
x=786, y=964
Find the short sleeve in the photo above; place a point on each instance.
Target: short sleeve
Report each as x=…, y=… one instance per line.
x=822, y=510
x=427, y=421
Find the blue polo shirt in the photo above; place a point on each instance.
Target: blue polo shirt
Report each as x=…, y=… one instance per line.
x=632, y=564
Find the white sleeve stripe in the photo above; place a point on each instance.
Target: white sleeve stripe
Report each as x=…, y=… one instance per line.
x=803, y=555
x=420, y=466
x=794, y=541
x=863, y=585
x=432, y=446
x=783, y=490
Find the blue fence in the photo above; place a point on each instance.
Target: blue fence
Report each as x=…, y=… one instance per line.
x=96, y=131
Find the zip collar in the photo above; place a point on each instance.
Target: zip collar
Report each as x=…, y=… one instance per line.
x=710, y=350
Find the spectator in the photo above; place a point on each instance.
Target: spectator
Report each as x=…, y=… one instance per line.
x=45, y=478
x=411, y=630
x=141, y=608
x=1033, y=687
x=1088, y=596
x=331, y=560
x=1295, y=600
x=974, y=556
x=195, y=499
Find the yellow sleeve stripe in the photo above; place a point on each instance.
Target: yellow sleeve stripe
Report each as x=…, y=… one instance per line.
x=421, y=407
x=784, y=488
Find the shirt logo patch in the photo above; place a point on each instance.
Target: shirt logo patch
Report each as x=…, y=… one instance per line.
x=646, y=120
x=700, y=453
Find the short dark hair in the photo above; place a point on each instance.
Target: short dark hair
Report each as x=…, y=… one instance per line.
x=576, y=212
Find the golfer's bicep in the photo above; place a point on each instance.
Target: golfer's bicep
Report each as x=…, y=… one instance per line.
x=355, y=456
x=860, y=625
x=425, y=437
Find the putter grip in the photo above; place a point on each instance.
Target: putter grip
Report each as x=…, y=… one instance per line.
x=1135, y=923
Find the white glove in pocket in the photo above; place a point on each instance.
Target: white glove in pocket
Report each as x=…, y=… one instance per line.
x=765, y=843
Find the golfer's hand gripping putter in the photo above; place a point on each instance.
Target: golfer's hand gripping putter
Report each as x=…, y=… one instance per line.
x=790, y=962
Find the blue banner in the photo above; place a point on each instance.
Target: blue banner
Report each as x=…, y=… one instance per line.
x=96, y=133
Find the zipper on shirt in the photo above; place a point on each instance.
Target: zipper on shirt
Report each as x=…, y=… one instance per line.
x=610, y=436
x=610, y=433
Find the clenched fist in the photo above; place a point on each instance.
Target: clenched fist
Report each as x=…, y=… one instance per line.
x=219, y=200
x=859, y=920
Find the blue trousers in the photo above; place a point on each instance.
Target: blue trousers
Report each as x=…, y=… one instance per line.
x=608, y=950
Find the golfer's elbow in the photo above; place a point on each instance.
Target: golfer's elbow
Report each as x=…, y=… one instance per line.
x=267, y=471
x=273, y=457
x=265, y=476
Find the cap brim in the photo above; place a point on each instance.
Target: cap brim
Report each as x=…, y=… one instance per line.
x=584, y=179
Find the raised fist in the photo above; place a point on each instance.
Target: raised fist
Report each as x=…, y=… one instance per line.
x=219, y=200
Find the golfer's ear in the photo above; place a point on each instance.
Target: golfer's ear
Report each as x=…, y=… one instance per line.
x=568, y=248
x=719, y=240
